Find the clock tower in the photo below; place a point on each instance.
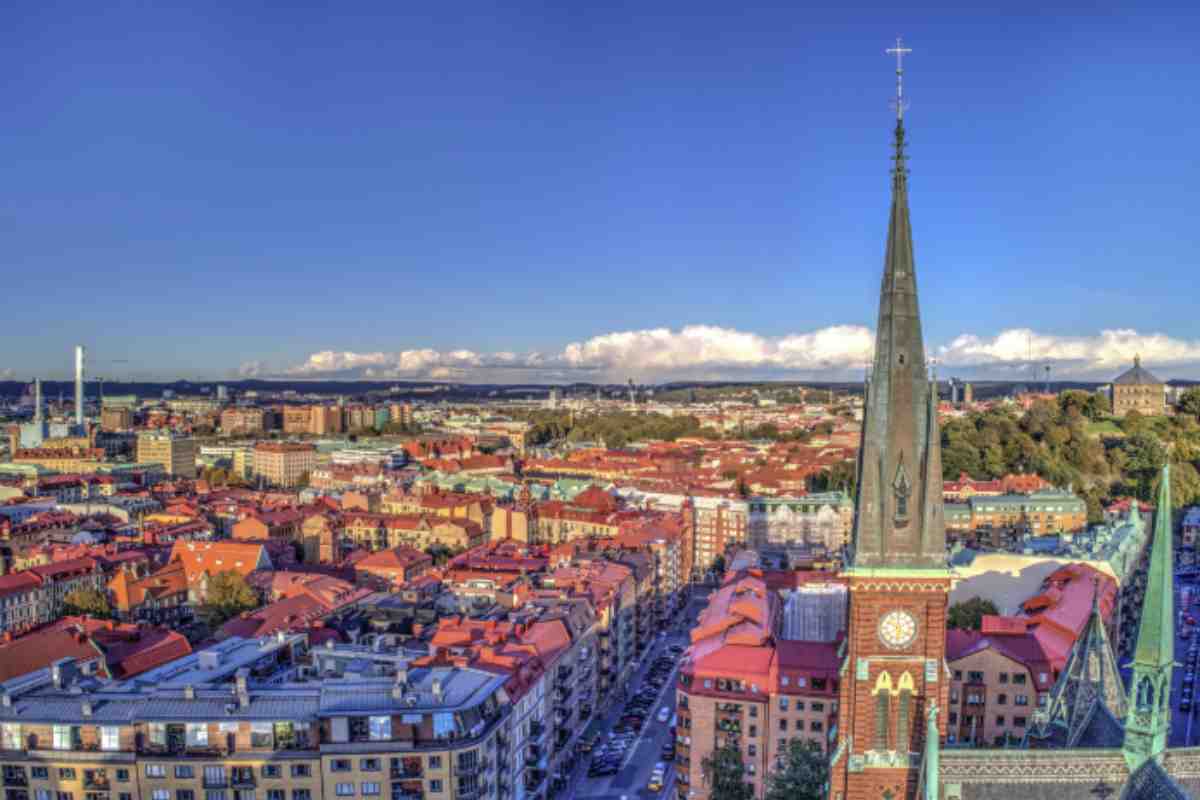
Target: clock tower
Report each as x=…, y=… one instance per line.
x=894, y=667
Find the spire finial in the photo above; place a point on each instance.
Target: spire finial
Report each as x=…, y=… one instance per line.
x=1137, y=359
x=899, y=51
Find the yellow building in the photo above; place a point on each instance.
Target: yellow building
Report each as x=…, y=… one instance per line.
x=1137, y=389
x=176, y=454
x=69, y=461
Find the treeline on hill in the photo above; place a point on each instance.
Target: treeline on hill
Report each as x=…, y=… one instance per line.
x=616, y=429
x=1073, y=443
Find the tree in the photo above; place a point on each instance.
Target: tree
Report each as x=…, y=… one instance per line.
x=228, y=595
x=802, y=775
x=1185, y=485
x=1189, y=401
x=968, y=615
x=726, y=775
x=89, y=602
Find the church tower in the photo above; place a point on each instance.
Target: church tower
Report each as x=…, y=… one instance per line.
x=894, y=669
x=1148, y=720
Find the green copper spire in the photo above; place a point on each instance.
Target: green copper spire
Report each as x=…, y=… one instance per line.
x=1149, y=717
x=931, y=754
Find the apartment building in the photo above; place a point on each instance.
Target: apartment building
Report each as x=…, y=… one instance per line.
x=116, y=419
x=242, y=421
x=741, y=684
x=424, y=732
x=821, y=519
x=284, y=463
x=176, y=454
x=1041, y=512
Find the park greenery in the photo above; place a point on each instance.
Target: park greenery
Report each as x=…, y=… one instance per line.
x=802, y=773
x=1060, y=442
x=968, y=615
x=228, y=595
x=87, y=602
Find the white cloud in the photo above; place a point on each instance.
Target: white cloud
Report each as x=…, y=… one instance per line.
x=7, y=374
x=711, y=352
x=253, y=369
x=1104, y=353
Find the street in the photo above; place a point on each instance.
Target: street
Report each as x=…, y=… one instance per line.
x=632, y=778
x=1184, y=730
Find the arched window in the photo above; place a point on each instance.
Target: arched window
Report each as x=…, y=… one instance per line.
x=883, y=702
x=903, y=712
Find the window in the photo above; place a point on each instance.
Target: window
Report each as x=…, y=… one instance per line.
x=1019, y=722
x=1018, y=678
x=817, y=725
x=953, y=717
x=125, y=796
x=43, y=794
x=214, y=794
x=64, y=795
x=158, y=734
x=262, y=734
x=301, y=794
x=10, y=736
x=276, y=794
x=62, y=737
x=1021, y=700
x=369, y=789
x=43, y=773
x=381, y=728
x=161, y=794
x=214, y=776
x=156, y=771
x=435, y=787
x=185, y=794
x=799, y=705
x=300, y=771
x=753, y=731
x=184, y=771
x=783, y=704
x=123, y=775
x=369, y=764
x=975, y=676
x=435, y=762
x=197, y=734
x=954, y=695
x=344, y=789
x=817, y=706
x=958, y=674
x=271, y=771
x=1000, y=720
x=751, y=750
x=340, y=765
x=66, y=773
x=1004, y=677
x=1001, y=699
x=783, y=724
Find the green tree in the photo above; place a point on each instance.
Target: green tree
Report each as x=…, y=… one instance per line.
x=1144, y=457
x=228, y=595
x=89, y=602
x=1185, y=485
x=726, y=775
x=969, y=614
x=803, y=773
x=1189, y=401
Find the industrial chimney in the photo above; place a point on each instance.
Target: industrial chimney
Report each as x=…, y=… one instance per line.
x=79, y=385
x=37, y=400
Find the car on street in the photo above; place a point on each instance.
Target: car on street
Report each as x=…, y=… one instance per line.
x=664, y=714
x=657, y=776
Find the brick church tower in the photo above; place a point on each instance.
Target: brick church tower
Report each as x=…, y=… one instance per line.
x=894, y=667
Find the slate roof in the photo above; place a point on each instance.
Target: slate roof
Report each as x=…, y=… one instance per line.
x=1150, y=782
x=1137, y=375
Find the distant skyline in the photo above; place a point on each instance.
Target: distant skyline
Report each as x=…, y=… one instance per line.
x=543, y=193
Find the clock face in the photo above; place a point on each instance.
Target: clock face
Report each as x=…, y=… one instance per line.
x=897, y=629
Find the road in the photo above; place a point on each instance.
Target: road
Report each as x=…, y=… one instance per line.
x=630, y=782
x=1184, y=729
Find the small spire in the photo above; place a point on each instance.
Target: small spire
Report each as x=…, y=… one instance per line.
x=1137, y=359
x=899, y=51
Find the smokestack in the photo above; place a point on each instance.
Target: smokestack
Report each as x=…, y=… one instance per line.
x=37, y=400
x=79, y=385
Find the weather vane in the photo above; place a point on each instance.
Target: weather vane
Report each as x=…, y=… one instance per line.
x=899, y=51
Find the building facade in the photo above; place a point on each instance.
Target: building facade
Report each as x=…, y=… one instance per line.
x=176, y=454
x=284, y=463
x=1137, y=389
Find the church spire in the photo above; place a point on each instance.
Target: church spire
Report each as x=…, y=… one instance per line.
x=1149, y=720
x=898, y=511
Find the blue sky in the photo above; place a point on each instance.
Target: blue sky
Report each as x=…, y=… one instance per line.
x=558, y=191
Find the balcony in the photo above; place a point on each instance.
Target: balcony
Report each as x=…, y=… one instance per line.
x=96, y=783
x=408, y=768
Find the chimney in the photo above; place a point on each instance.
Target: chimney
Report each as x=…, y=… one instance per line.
x=189, y=692
x=437, y=690
x=5, y=698
x=86, y=708
x=79, y=355
x=37, y=400
x=243, y=692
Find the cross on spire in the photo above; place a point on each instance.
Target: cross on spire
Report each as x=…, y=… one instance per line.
x=899, y=51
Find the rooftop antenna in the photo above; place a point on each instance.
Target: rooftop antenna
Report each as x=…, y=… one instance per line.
x=899, y=51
